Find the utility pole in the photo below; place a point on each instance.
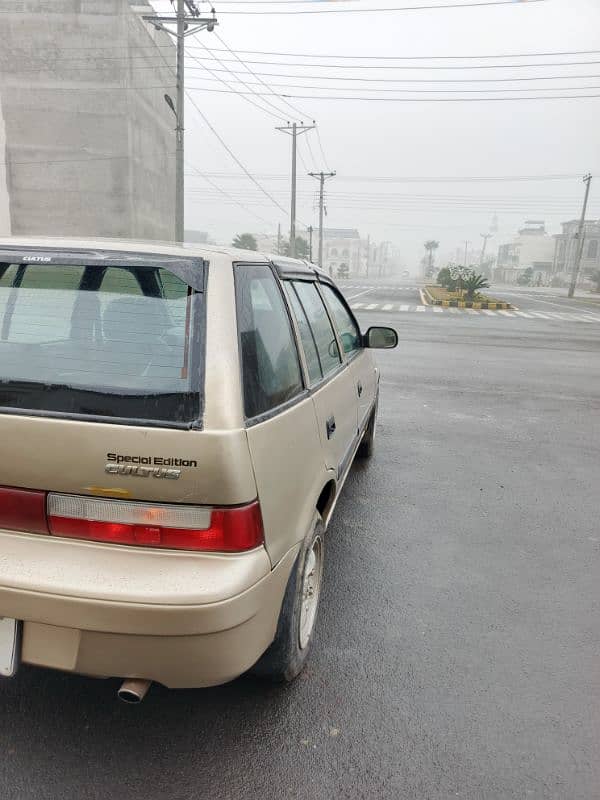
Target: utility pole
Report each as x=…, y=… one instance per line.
x=322, y=176
x=310, y=233
x=580, y=237
x=368, y=253
x=485, y=237
x=295, y=131
x=187, y=21
x=278, y=238
x=466, y=253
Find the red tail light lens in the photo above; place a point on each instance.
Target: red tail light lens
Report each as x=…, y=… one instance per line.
x=173, y=527
x=23, y=510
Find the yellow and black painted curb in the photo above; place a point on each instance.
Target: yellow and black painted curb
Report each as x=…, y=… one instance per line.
x=494, y=306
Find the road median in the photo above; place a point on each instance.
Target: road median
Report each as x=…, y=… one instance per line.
x=431, y=297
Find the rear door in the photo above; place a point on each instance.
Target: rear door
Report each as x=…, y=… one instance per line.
x=332, y=384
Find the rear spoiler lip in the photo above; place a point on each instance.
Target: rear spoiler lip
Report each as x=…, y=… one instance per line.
x=192, y=269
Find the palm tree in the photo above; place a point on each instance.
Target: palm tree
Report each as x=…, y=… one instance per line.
x=245, y=241
x=431, y=246
x=473, y=283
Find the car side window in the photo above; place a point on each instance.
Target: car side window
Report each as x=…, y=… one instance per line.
x=347, y=328
x=320, y=326
x=270, y=366
x=313, y=362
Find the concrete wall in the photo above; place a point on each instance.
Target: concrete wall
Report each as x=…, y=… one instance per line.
x=89, y=138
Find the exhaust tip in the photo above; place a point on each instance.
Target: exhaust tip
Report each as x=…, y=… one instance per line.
x=133, y=690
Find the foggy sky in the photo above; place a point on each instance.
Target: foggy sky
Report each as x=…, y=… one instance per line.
x=403, y=139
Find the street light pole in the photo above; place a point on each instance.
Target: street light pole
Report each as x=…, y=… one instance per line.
x=580, y=237
x=186, y=24
x=179, y=156
x=466, y=253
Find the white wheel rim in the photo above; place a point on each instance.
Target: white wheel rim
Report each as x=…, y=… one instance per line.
x=311, y=588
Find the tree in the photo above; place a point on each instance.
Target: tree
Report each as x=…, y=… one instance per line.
x=473, y=283
x=431, y=246
x=245, y=241
x=525, y=277
x=444, y=278
x=302, y=249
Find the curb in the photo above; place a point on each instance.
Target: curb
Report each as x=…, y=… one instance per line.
x=431, y=300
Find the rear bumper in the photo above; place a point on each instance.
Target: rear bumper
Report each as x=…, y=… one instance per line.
x=177, y=618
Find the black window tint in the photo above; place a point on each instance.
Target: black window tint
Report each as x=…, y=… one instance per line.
x=346, y=326
x=318, y=320
x=308, y=343
x=270, y=366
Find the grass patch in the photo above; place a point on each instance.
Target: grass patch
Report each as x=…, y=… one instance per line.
x=440, y=293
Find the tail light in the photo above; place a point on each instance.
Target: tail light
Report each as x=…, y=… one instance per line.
x=153, y=525
x=23, y=510
x=179, y=527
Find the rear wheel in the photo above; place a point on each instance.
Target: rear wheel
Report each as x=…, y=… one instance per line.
x=288, y=653
x=367, y=446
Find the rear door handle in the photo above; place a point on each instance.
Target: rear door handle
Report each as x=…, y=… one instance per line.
x=330, y=427
x=359, y=388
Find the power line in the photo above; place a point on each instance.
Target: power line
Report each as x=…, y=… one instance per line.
x=416, y=58
x=425, y=91
x=420, y=99
x=425, y=178
x=378, y=10
x=321, y=148
x=222, y=192
x=424, y=80
x=233, y=155
x=289, y=105
x=278, y=113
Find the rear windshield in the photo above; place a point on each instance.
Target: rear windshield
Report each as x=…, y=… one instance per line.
x=99, y=341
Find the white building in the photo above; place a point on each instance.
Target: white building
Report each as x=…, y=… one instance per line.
x=532, y=248
x=566, y=248
x=86, y=138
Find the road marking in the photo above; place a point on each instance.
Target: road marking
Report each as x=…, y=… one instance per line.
x=404, y=307
x=358, y=295
x=523, y=314
x=420, y=308
x=387, y=307
x=488, y=312
x=505, y=313
x=356, y=305
x=371, y=306
x=471, y=311
x=539, y=314
x=437, y=309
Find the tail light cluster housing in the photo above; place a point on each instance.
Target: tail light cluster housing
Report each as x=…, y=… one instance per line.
x=174, y=527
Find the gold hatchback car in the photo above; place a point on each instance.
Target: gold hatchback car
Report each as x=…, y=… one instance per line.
x=176, y=425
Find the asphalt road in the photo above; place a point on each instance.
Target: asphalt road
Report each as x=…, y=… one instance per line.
x=458, y=643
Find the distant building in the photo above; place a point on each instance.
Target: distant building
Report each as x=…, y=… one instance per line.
x=532, y=248
x=343, y=251
x=566, y=247
x=86, y=138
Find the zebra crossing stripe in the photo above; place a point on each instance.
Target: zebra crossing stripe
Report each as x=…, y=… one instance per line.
x=420, y=308
x=404, y=307
x=488, y=312
x=539, y=314
x=438, y=309
x=387, y=307
x=371, y=306
x=505, y=313
x=524, y=314
x=357, y=305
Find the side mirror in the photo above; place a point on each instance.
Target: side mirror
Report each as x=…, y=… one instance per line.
x=381, y=338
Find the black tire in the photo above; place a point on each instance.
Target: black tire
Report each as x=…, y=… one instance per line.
x=366, y=448
x=286, y=657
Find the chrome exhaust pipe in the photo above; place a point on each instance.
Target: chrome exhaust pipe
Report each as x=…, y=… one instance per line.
x=133, y=690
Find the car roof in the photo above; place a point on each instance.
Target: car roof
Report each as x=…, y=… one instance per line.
x=185, y=250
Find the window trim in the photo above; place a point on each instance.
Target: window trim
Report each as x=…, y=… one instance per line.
x=347, y=357
x=304, y=392
x=343, y=361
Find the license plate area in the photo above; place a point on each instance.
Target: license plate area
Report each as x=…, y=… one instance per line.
x=9, y=646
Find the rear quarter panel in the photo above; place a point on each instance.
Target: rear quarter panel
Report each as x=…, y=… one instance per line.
x=290, y=472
